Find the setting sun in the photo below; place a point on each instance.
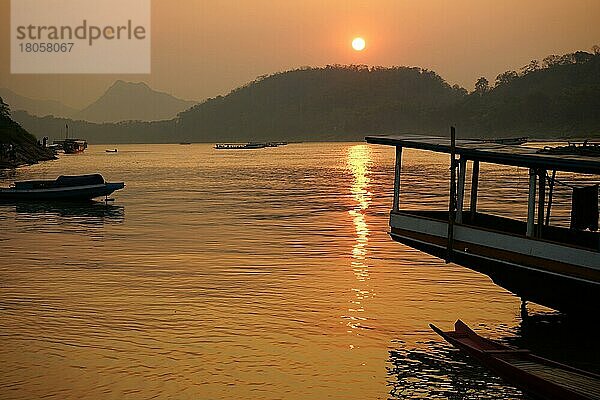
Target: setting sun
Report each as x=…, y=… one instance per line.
x=358, y=44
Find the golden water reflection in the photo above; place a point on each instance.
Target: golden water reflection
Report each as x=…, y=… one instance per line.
x=359, y=160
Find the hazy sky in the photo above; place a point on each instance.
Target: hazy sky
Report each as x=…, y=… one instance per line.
x=203, y=48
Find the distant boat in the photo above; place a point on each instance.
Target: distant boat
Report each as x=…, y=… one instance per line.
x=240, y=146
x=275, y=144
x=111, y=151
x=70, y=145
x=64, y=188
x=585, y=148
x=74, y=146
x=538, y=376
x=185, y=143
x=514, y=141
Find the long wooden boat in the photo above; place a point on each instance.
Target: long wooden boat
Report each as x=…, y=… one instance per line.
x=552, y=265
x=64, y=188
x=513, y=141
x=538, y=376
x=240, y=146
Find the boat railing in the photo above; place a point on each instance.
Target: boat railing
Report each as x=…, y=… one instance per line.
x=509, y=226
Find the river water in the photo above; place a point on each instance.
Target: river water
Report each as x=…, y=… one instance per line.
x=263, y=274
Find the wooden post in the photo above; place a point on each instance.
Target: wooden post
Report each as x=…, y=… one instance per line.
x=541, y=201
x=452, y=201
x=398, y=169
x=460, y=195
x=474, y=187
x=531, y=203
x=550, y=192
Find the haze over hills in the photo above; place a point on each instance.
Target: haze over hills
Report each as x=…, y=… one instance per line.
x=127, y=101
x=35, y=106
x=122, y=101
x=558, y=97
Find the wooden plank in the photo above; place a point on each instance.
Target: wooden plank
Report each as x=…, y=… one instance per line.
x=460, y=195
x=397, y=171
x=452, y=202
x=474, y=189
x=531, y=204
x=541, y=201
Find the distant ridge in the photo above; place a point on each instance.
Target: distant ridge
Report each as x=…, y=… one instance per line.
x=36, y=106
x=558, y=98
x=125, y=101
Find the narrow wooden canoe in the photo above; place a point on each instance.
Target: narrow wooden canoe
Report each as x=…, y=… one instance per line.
x=535, y=375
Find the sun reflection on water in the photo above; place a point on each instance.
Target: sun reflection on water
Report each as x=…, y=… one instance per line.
x=359, y=159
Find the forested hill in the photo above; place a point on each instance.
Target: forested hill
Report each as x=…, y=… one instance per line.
x=557, y=97
x=334, y=102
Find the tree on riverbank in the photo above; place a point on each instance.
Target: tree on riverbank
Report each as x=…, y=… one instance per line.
x=17, y=146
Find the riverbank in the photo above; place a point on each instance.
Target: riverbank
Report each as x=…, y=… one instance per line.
x=18, y=147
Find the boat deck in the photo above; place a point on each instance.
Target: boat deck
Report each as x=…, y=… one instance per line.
x=580, y=383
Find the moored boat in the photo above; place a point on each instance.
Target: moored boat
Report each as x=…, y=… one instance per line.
x=74, y=146
x=538, y=376
x=546, y=263
x=71, y=145
x=64, y=188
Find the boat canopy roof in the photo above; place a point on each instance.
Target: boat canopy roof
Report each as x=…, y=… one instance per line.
x=473, y=149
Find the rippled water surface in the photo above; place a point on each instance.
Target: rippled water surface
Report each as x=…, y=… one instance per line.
x=261, y=274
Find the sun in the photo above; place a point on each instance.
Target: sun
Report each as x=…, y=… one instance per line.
x=358, y=44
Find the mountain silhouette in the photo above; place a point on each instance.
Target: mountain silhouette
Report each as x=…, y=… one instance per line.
x=125, y=101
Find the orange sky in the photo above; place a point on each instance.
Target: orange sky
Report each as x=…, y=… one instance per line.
x=203, y=48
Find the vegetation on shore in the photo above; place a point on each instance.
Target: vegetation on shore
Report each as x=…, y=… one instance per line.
x=17, y=146
x=556, y=97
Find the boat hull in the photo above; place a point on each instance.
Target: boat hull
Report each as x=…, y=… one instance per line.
x=75, y=193
x=541, y=377
x=560, y=277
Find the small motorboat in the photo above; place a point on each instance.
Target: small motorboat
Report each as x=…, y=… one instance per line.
x=538, y=376
x=111, y=151
x=64, y=188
